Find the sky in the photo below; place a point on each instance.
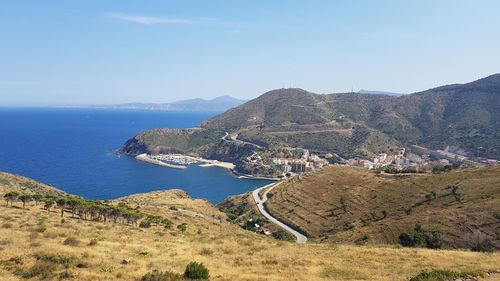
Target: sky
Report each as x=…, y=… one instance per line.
x=108, y=52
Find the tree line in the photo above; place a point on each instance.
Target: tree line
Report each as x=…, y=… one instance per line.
x=93, y=210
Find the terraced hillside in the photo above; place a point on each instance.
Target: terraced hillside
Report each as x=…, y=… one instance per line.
x=36, y=244
x=344, y=204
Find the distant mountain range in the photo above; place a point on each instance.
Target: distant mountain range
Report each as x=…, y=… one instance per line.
x=348, y=124
x=218, y=104
x=371, y=92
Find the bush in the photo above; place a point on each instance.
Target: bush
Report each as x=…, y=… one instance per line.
x=479, y=242
x=46, y=267
x=182, y=227
x=161, y=276
x=432, y=238
x=283, y=235
x=206, y=252
x=145, y=224
x=485, y=247
x=362, y=240
x=438, y=169
x=167, y=223
x=43, y=270
x=410, y=239
x=71, y=241
x=16, y=260
x=54, y=258
x=195, y=270
x=444, y=275
x=93, y=242
x=66, y=275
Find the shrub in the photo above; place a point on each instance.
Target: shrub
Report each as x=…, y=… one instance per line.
x=362, y=240
x=54, y=258
x=156, y=275
x=206, y=252
x=16, y=260
x=93, y=242
x=66, y=275
x=433, y=239
x=195, y=270
x=182, y=227
x=167, y=223
x=479, y=242
x=154, y=219
x=485, y=246
x=71, y=241
x=410, y=239
x=443, y=275
x=145, y=224
x=43, y=270
x=82, y=265
x=283, y=235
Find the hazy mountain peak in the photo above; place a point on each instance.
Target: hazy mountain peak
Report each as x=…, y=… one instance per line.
x=375, y=92
x=218, y=104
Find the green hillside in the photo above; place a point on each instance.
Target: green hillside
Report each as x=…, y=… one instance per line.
x=348, y=124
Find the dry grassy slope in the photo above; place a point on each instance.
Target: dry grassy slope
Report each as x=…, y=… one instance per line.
x=10, y=182
x=313, y=202
x=228, y=251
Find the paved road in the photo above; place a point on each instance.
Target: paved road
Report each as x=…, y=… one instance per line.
x=260, y=204
x=235, y=139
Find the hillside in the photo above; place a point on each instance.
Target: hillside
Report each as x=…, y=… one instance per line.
x=344, y=204
x=463, y=115
x=347, y=124
x=10, y=182
x=37, y=244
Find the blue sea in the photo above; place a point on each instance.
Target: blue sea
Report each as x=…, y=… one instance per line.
x=72, y=149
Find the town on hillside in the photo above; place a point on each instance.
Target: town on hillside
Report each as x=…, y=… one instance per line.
x=414, y=159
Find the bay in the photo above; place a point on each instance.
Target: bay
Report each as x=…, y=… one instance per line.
x=72, y=149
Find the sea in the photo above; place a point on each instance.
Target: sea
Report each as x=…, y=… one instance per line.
x=74, y=150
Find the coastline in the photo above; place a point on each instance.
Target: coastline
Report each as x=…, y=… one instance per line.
x=146, y=158
x=250, y=177
x=185, y=160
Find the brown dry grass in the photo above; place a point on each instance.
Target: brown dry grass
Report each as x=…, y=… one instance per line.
x=229, y=252
x=383, y=206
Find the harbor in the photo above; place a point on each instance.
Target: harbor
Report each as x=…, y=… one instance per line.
x=180, y=161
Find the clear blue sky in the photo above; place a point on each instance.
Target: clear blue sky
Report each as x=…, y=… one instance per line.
x=87, y=52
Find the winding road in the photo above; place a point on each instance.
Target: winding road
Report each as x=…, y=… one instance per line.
x=260, y=205
x=235, y=139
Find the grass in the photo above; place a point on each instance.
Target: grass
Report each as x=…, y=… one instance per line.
x=342, y=274
x=229, y=252
x=342, y=204
x=444, y=275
